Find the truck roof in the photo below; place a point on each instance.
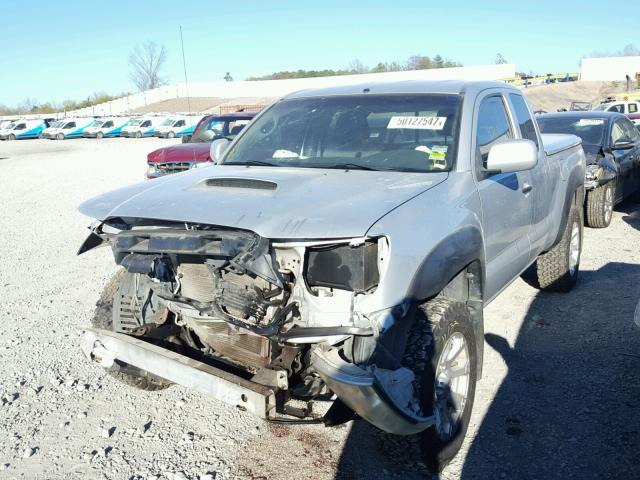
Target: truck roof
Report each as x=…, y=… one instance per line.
x=405, y=86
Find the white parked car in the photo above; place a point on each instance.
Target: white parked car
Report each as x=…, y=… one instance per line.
x=23, y=129
x=175, y=127
x=620, y=106
x=140, y=127
x=68, y=128
x=106, y=127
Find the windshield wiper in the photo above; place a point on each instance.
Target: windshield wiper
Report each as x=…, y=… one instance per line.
x=252, y=163
x=347, y=166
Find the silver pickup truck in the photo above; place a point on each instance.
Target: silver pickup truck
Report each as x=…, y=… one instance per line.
x=345, y=243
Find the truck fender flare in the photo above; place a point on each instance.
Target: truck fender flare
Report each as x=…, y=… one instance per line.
x=574, y=195
x=446, y=260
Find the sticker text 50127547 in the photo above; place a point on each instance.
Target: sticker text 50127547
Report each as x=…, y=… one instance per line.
x=417, y=123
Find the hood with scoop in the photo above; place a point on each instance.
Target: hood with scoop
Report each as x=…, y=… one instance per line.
x=274, y=202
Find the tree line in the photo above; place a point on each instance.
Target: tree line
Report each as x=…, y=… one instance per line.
x=415, y=62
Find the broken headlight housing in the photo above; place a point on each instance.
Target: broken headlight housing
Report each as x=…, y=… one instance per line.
x=352, y=267
x=593, y=172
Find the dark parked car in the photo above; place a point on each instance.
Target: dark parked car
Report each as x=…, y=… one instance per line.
x=612, y=147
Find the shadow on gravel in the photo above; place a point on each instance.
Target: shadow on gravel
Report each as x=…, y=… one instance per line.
x=569, y=406
x=632, y=217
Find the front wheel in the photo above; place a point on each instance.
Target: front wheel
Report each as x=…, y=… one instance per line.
x=99, y=135
x=11, y=137
x=598, y=206
x=171, y=135
x=60, y=136
x=138, y=134
x=441, y=351
x=557, y=270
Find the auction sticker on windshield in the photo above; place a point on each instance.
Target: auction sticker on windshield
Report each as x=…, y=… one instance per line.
x=417, y=123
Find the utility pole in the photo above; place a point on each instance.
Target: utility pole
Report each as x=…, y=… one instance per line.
x=184, y=65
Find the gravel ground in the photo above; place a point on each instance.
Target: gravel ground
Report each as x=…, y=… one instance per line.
x=559, y=397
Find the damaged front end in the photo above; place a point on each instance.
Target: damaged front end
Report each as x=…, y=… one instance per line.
x=257, y=322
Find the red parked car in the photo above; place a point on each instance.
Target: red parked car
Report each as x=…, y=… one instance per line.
x=181, y=157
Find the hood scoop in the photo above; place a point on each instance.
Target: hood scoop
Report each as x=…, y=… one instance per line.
x=234, y=182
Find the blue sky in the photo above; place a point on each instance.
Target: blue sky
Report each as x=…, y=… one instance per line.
x=56, y=50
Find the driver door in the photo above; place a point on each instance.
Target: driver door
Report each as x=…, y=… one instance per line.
x=505, y=198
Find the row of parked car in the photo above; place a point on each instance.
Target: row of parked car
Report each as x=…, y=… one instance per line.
x=137, y=127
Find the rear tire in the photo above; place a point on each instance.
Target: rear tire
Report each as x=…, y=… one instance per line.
x=103, y=318
x=441, y=351
x=598, y=206
x=557, y=270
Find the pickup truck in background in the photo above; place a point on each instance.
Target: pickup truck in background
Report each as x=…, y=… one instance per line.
x=347, y=241
x=181, y=157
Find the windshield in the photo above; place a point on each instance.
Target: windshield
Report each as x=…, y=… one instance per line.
x=9, y=126
x=135, y=123
x=411, y=133
x=602, y=107
x=168, y=122
x=590, y=130
x=218, y=127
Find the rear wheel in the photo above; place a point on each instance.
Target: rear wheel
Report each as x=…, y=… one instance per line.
x=441, y=351
x=557, y=270
x=103, y=318
x=598, y=206
x=41, y=135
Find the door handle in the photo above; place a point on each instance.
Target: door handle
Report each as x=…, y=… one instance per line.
x=526, y=188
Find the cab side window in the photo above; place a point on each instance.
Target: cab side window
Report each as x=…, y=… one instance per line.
x=107, y=125
x=630, y=131
x=527, y=129
x=633, y=108
x=179, y=123
x=617, y=132
x=619, y=107
x=20, y=126
x=145, y=124
x=493, y=127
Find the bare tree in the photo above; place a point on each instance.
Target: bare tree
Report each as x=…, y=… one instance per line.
x=228, y=77
x=629, y=50
x=146, y=61
x=356, y=66
x=500, y=60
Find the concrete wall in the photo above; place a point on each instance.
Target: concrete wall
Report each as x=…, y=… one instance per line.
x=609, y=68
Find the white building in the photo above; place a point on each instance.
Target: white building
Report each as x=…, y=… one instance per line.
x=609, y=68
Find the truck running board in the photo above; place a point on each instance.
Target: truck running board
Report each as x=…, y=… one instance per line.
x=103, y=347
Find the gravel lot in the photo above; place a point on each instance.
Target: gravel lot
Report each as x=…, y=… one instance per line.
x=560, y=395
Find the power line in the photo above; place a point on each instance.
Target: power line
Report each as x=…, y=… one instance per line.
x=184, y=65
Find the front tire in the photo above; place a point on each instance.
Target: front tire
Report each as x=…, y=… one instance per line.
x=557, y=270
x=598, y=206
x=103, y=318
x=99, y=135
x=171, y=135
x=138, y=134
x=60, y=136
x=11, y=137
x=441, y=351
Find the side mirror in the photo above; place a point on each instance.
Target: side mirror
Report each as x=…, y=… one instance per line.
x=512, y=156
x=623, y=145
x=218, y=147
